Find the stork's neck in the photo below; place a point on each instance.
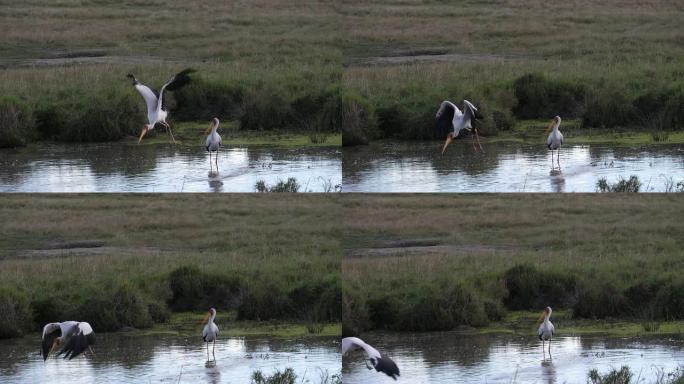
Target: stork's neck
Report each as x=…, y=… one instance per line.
x=546, y=318
x=555, y=127
x=213, y=316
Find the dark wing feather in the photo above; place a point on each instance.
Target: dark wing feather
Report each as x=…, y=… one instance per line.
x=48, y=340
x=445, y=121
x=177, y=82
x=388, y=367
x=78, y=342
x=469, y=111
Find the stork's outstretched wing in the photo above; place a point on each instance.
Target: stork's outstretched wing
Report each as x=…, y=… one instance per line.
x=468, y=113
x=176, y=82
x=81, y=337
x=51, y=332
x=352, y=343
x=445, y=117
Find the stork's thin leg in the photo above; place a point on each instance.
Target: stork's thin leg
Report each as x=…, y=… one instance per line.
x=478, y=141
x=543, y=351
x=210, y=161
x=558, y=161
x=207, y=351
x=213, y=349
x=216, y=160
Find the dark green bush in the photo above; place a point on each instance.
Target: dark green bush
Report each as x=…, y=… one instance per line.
x=123, y=307
x=656, y=300
x=359, y=124
x=662, y=109
x=539, y=97
x=286, y=377
x=355, y=316
x=318, y=299
x=204, y=100
x=598, y=300
x=192, y=289
x=17, y=125
x=265, y=302
x=623, y=376
x=608, y=108
x=16, y=313
x=265, y=110
x=90, y=117
x=529, y=288
x=47, y=310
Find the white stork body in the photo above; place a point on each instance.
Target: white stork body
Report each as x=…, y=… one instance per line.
x=555, y=139
x=153, y=101
x=381, y=364
x=448, y=113
x=210, y=332
x=213, y=143
x=73, y=337
x=546, y=328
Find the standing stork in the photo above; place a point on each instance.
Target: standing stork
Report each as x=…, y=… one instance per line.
x=210, y=331
x=153, y=100
x=555, y=139
x=73, y=337
x=449, y=115
x=546, y=328
x=213, y=140
x=381, y=364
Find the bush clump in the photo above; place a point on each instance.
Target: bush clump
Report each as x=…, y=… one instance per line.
x=359, y=124
x=632, y=185
x=598, y=301
x=204, y=100
x=16, y=316
x=540, y=97
x=192, y=289
x=17, y=124
x=286, y=377
x=529, y=288
x=123, y=307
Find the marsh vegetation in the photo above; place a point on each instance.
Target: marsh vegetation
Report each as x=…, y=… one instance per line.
x=259, y=65
x=121, y=261
x=611, y=66
x=599, y=257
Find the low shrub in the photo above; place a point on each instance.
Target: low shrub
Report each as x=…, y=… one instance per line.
x=265, y=301
x=203, y=100
x=286, y=377
x=529, y=288
x=598, y=301
x=17, y=124
x=355, y=312
x=125, y=306
x=359, y=124
x=608, y=108
x=541, y=97
x=192, y=289
x=622, y=376
x=16, y=316
x=623, y=185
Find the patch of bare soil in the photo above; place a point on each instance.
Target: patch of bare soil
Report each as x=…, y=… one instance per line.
x=412, y=247
x=429, y=57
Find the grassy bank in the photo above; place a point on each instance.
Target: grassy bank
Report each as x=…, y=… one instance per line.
x=608, y=65
x=133, y=260
x=437, y=262
x=192, y=134
x=259, y=64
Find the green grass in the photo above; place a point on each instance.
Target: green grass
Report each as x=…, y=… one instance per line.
x=193, y=134
x=125, y=260
x=612, y=65
x=269, y=65
x=598, y=256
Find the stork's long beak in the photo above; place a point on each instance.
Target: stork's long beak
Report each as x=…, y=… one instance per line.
x=52, y=349
x=541, y=318
x=211, y=125
x=448, y=141
x=143, y=133
x=206, y=318
x=551, y=124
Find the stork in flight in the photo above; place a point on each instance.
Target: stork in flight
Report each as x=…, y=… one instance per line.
x=153, y=100
x=555, y=139
x=213, y=142
x=449, y=115
x=381, y=364
x=72, y=337
x=210, y=331
x=546, y=329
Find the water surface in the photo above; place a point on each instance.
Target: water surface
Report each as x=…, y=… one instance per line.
x=391, y=166
x=122, y=167
x=169, y=359
x=454, y=358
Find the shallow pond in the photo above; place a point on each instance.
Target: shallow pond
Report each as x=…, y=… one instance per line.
x=455, y=358
x=123, y=167
x=166, y=359
x=506, y=167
